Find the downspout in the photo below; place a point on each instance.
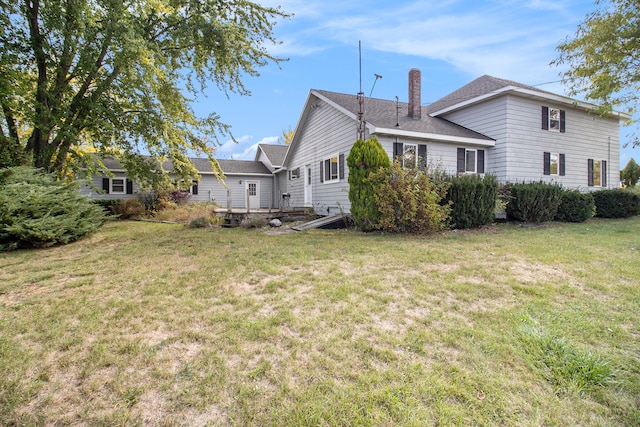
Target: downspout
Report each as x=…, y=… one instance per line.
x=609, y=164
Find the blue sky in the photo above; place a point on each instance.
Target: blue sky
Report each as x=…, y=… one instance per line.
x=451, y=41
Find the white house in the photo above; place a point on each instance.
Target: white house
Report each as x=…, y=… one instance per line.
x=513, y=131
x=516, y=132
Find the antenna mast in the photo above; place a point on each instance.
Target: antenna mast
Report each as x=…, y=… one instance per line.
x=360, y=97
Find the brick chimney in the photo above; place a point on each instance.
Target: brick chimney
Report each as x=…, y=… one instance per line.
x=415, y=109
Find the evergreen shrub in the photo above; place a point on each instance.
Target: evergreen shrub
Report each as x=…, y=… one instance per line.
x=616, y=203
x=473, y=200
x=534, y=202
x=364, y=161
x=575, y=207
x=37, y=211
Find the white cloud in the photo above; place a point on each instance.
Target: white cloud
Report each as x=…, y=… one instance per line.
x=248, y=152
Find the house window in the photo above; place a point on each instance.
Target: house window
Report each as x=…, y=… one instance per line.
x=597, y=173
x=332, y=168
x=253, y=189
x=410, y=155
x=470, y=161
x=294, y=174
x=554, y=164
x=117, y=185
x=194, y=188
x=553, y=119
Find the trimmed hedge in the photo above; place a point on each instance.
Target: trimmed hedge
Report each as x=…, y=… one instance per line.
x=472, y=199
x=616, y=203
x=575, y=207
x=534, y=202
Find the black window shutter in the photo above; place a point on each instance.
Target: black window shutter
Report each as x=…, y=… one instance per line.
x=194, y=188
x=105, y=185
x=461, y=163
x=129, y=186
x=590, y=172
x=561, y=164
x=562, y=120
x=321, y=171
x=545, y=118
x=397, y=150
x=604, y=173
x=480, y=161
x=422, y=156
x=341, y=166
x=547, y=163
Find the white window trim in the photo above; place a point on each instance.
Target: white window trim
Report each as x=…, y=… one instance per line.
x=551, y=128
x=324, y=171
x=124, y=185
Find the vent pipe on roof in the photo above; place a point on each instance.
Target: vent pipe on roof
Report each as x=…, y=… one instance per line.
x=415, y=108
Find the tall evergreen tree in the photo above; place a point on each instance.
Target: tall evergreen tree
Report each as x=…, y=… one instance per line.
x=365, y=159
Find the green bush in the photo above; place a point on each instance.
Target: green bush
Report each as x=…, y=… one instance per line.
x=108, y=205
x=534, y=202
x=127, y=209
x=472, y=199
x=575, y=207
x=409, y=201
x=37, y=211
x=616, y=203
x=366, y=158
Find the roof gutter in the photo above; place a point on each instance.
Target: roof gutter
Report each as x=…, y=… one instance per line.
x=436, y=137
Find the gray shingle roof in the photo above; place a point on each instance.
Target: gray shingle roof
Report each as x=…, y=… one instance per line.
x=229, y=167
x=481, y=86
x=275, y=153
x=386, y=114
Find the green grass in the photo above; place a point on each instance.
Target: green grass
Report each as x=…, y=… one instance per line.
x=159, y=324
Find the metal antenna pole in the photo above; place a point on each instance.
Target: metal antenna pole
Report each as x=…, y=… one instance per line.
x=360, y=97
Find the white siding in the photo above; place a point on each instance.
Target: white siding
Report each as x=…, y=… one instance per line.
x=325, y=133
x=516, y=125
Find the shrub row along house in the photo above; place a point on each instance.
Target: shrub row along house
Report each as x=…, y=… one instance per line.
x=516, y=132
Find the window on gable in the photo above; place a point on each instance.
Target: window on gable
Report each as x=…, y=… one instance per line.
x=470, y=160
x=553, y=119
x=554, y=164
x=332, y=168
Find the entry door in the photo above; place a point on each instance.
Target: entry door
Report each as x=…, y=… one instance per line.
x=253, y=194
x=307, y=185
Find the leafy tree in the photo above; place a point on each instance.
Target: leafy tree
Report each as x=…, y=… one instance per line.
x=631, y=173
x=365, y=159
x=604, y=56
x=38, y=211
x=117, y=77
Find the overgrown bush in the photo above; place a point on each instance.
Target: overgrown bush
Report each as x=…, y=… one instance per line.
x=365, y=158
x=409, y=201
x=127, y=209
x=37, y=211
x=534, y=202
x=575, y=207
x=199, y=222
x=616, y=203
x=253, y=222
x=472, y=199
x=108, y=205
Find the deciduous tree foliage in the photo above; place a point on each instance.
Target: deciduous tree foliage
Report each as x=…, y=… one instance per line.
x=604, y=56
x=118, y=76
x=631, y=173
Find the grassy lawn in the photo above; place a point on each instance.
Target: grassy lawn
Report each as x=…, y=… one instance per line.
x=158, y=324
